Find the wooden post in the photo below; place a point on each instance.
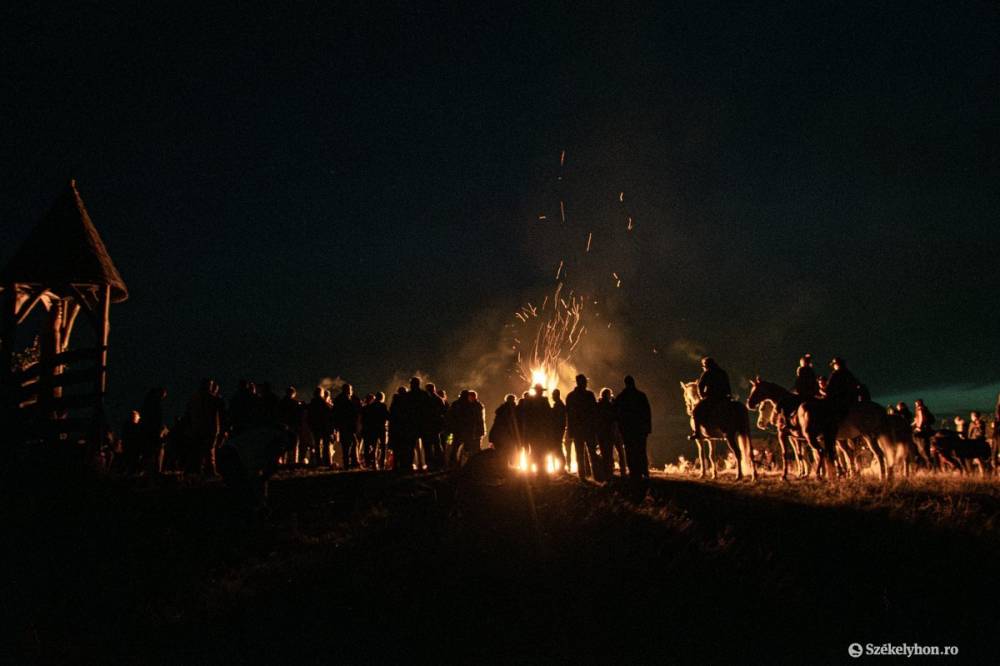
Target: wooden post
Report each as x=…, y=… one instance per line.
x=101, y=383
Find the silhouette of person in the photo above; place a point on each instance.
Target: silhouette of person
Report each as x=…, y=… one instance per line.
x=581, y=424
x=635, y=422
x=204, y=417
x=153, y=428
x=432, y=422
x=405, y=416
x=842, y=388
x=320, y=419
x=290, y=414
x=713, y=389
x=607, y=432
x=504, y=431
x=468, y=419
x=559, y=427
x=903, y=410
x=806, y=384
x=346, y=413
x=923, y=424
x=374, y=417
x=132, y=443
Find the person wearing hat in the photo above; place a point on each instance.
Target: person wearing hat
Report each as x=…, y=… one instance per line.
x=713, y=388
x=538, y=424
x=806, y=385
x=842, y=388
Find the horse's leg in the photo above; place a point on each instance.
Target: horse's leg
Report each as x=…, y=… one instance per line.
x=711, y=458
x=876, y=448
x=734, y=446
x=702, y=462
x=745, y=439
x=830, y=454
x=783, y=441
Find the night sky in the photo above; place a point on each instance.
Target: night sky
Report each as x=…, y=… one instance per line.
x=354, y=190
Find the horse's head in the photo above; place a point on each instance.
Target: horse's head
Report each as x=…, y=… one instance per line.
x=691, y=396
x=765, y=417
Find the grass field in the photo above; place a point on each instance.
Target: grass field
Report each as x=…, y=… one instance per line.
x=483, y=566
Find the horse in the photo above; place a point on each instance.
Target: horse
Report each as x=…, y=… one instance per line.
x=729, y=420
x=897, y=443
x=782, y=404
x=865, y=420
x=958, y=452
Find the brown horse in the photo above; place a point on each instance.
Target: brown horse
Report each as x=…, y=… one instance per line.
x=820, y=419
x=730, y=421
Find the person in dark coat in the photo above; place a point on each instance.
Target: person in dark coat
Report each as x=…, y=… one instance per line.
x=132, y=443
x=504, y=433
x=635, y=421
x=204, y=419
x=346, y=415
x=243, y=408
x=581, y=419
x=320, y=420
x=374, y=417
x=559, y=427
x=806, y=385
x=607, y=433
x=903, y=410
x=405, y=416
x=469, y=423
x=842, y=388
x=153, y=429
x=433, y=410
x=290, y=415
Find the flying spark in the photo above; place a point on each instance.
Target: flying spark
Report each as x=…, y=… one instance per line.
x=590, y=237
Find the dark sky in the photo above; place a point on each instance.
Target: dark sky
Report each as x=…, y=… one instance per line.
x=353, y=189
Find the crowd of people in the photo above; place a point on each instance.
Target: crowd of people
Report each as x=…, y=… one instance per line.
x=418, y=430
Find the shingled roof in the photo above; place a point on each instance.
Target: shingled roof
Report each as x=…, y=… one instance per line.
x=63, y=249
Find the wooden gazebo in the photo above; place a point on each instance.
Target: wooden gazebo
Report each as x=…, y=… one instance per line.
x=61, y=270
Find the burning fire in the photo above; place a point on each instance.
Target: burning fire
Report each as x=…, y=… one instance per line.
x=553, y=464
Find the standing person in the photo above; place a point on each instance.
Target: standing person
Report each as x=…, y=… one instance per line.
x=903, y=410
x=923, y=426
x=607, y=433
x=290, y=412
x=243, y=407
x=504, y=431
x=433, y=410
x=559, y=427
x=346, y=414
x=977, y=427
x=395, y=428
x=581, y=418
x=406, y=414
x=471, y=426
x=132, y=443
x=374, y=417
x=318, y=415
x=453, y=424
x=538, y=425
x=635, y=421
x=153, y=428
x=806, y=384
x=204, y=417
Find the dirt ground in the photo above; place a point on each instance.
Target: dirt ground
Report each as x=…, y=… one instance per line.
x=485, y=565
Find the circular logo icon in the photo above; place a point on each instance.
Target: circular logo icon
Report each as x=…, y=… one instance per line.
x=854, y=649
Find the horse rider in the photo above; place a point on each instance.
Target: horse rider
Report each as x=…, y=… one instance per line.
x=842, y=388
x=713, y=389
x=806, y=384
